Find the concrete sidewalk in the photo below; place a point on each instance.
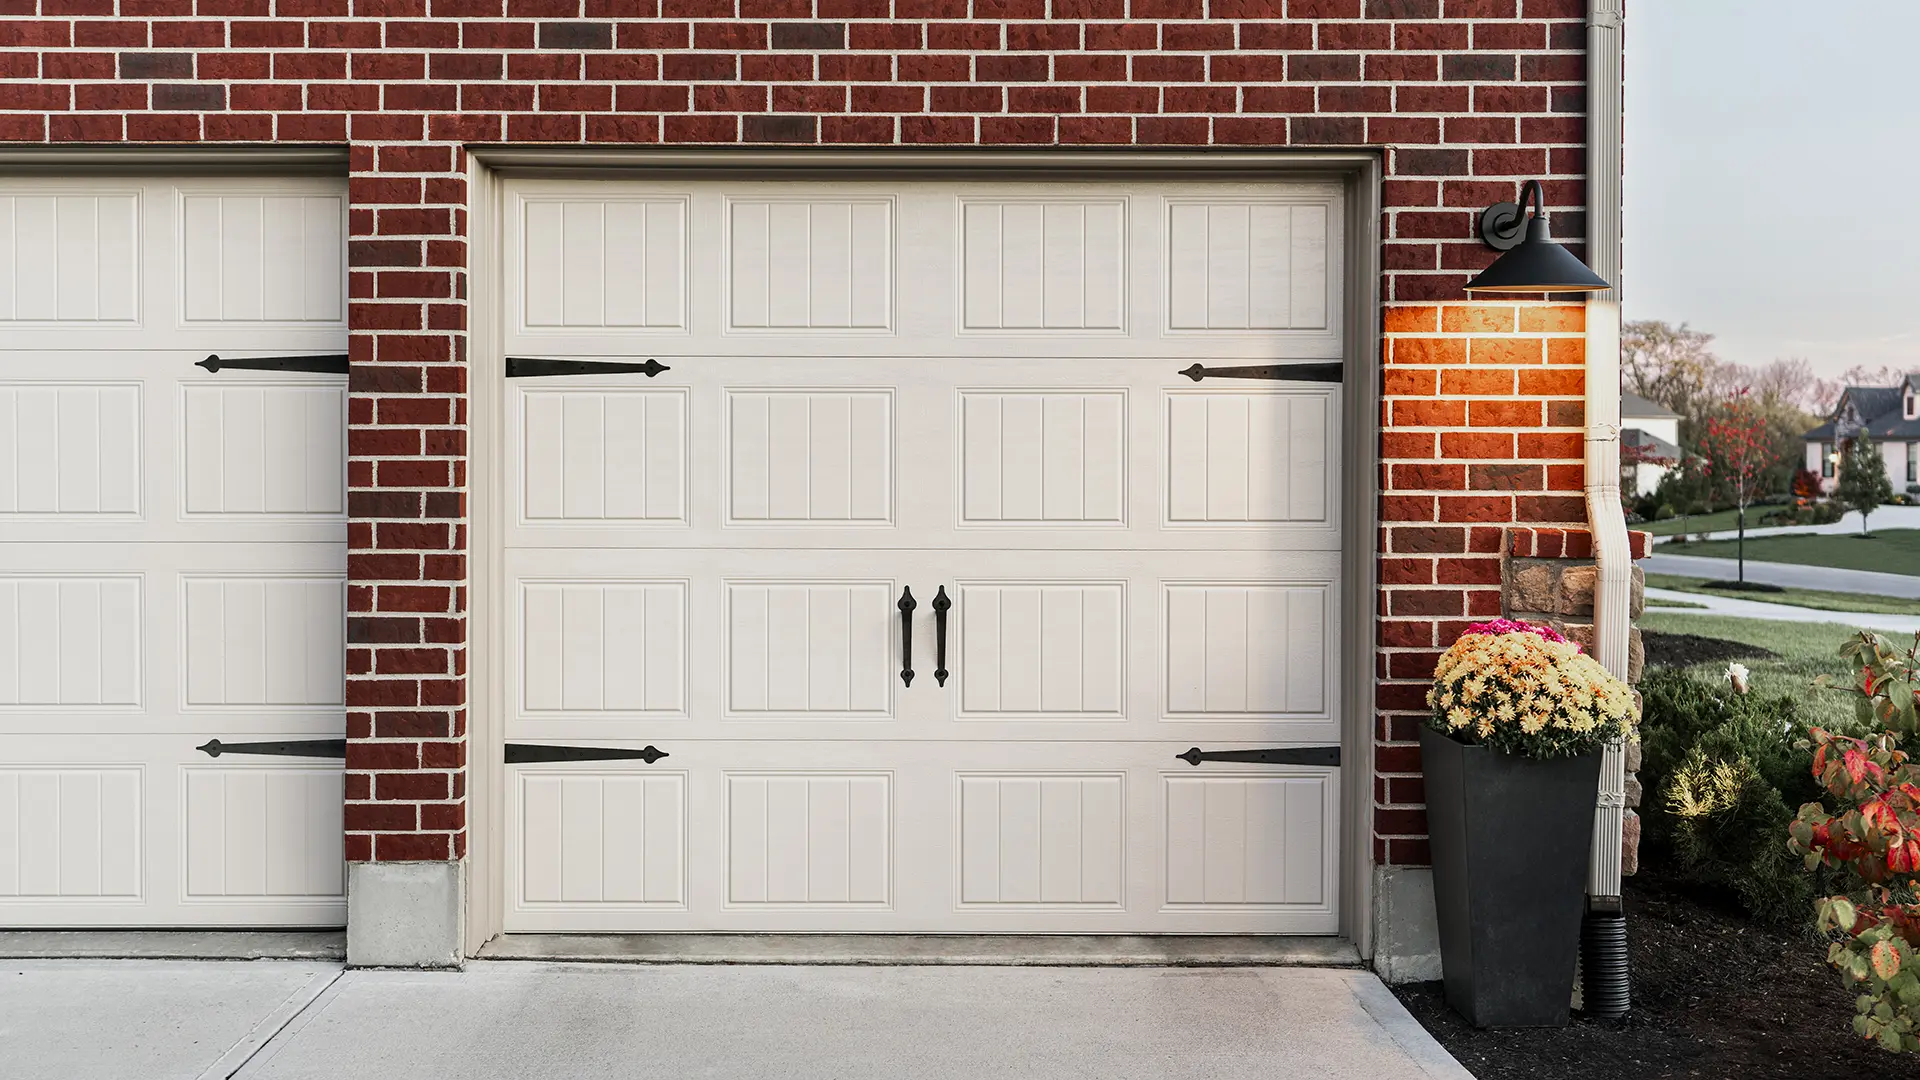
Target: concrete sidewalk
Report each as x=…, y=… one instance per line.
x=263, y=1020
x=1757, y=609
x=1791, y=575
x=1887, y=517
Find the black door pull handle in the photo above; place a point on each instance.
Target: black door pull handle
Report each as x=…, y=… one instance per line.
x=906, y=605
x=940, y=606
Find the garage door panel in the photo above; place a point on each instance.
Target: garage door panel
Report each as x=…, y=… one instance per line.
x=264, y=641
x=68, y=257
x=70, y=642
x=141, y=829
x=70, y=833
x=995, y=455
x=70, y=449
x=809, y=648
x=1044, y=649
x=258, y=832
x=262, y=257
x=603, y=455
x=264, y=448
x=1032, y=840
x=820, y=270
x=808, y=839
x=1248, y=650
x=822, y=837
x=1248, y=841
x=598, y=839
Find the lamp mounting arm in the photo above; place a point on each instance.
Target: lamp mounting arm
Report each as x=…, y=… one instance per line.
x=1503, y=225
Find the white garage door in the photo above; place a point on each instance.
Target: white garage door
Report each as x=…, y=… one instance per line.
x=172, y=552
x=973, y=394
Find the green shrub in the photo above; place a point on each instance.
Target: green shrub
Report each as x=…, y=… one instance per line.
x=1722, y=777
x=1663, y=512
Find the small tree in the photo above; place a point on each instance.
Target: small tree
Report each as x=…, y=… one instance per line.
x=1863, y=479
x=1736, y=452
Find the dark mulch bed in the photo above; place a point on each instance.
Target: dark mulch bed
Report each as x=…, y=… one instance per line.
x=1713, y=997
x=1684, y=650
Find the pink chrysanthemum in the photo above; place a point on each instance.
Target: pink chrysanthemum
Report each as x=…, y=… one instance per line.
x=1515, y=626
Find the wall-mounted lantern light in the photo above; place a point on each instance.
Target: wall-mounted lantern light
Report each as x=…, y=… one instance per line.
x=1532, y=262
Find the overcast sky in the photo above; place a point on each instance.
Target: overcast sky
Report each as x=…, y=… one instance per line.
x=1773, y=176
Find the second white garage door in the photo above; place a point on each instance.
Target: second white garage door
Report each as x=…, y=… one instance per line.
x=172, y=551
x=963, y=400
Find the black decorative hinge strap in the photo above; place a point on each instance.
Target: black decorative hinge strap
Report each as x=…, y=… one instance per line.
x=527, y=367
x=1331, y=373
x=1279, y=755
x=521, y=753
x=322, y=748
x=329, y=364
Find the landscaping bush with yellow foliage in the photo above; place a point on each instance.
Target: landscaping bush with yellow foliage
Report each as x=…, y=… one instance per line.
x=1526, y=690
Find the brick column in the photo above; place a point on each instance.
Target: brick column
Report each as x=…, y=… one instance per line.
x=406, y=439
x=1481, y=427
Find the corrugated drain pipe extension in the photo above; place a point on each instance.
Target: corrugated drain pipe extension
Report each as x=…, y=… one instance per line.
x=1604, y=987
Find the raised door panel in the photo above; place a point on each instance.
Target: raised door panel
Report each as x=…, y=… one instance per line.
x=1240, y=264
x=614, y=264
x=254, y=832
x=70, y=449
x=581, y=838
x=1044, y=265
x=602, y=649
x=70, y=259
x=798, y=265
x=1043, y=457
x=1248, y=651
x=1248, y=841
x=251, y=642
x=801, y=457
x=70, y=643
x=808, y=839
x=71, y=834
x=1030, y=839
x=809, y=649
x=262, y=258
x=603, y=456
x=1053, y=650
x=263, y=448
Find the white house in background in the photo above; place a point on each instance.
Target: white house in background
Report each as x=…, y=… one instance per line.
x=1890, y=415
x=1649, y=443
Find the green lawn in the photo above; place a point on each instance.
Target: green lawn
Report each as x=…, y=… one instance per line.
x=1808, y=598
x=1699, y=523
x=1652, y=603
x=1889, y=551
x=1806, y=650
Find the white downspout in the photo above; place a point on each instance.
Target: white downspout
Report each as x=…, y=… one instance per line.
x=1612, y=594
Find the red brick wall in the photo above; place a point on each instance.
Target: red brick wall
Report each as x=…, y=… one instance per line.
x=1466, y=97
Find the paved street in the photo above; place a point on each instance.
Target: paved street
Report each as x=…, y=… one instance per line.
x=271, y=1020
x=1788, y=574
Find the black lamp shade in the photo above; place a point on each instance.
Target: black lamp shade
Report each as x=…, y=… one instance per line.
x=1537, y=265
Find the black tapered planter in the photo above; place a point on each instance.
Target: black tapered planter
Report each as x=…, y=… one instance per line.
x=1510, y=838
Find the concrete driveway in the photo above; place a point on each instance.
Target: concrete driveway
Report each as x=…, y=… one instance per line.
x=266, y=1020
